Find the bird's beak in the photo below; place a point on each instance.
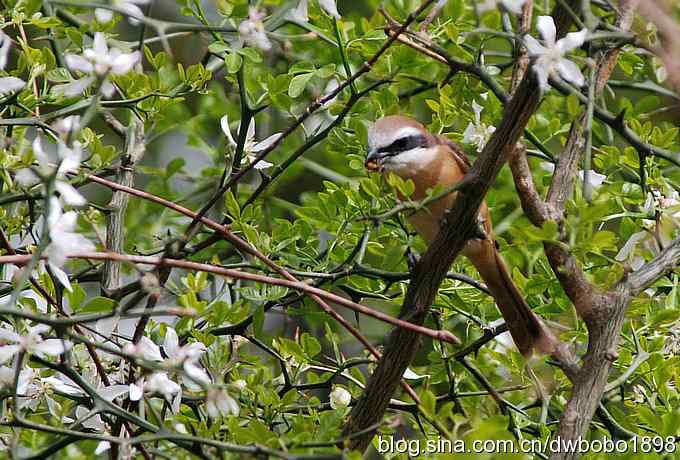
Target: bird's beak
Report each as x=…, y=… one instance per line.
x=373, y=160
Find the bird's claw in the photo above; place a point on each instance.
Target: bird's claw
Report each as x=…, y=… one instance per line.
x=412, y=259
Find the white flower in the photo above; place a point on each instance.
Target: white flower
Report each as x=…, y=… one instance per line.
x=478, y=133
x=550, y=58
x=250, y=147
x=129, y=7
x=25, y=384
x=187, y=356
x=40, y=302
x=10, y=85
x=330, y=8
x=67, y=125
x=252, y=32
x=91, y=422
x=63, y=384
x=101, y=61
x=594, y=178
x=219, y=402
x=158, y=383
x=340, y=398
x=299, y=13
x=5, y=45
x=31, y=343
x=69, y=161
x=663, y=228
x=102, y=447
x=240, y=384
x=145, y=348
x=513, y=6
x=63, y=238
x=410, y=375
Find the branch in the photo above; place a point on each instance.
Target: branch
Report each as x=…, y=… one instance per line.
x=115, y=218
x=444, y=336
x=649, y=273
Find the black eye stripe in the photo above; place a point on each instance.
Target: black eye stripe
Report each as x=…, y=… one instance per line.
x=403, y=144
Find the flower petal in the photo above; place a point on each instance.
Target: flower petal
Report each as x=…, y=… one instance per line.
x=534, y=48
x=102, y=447
x=69, y=193
x=570, y=72
x=546, y=26
x=112, y=392
x=53, y=347
x=265, y=144
x=7, y=352
x=262, y=165
x=61, y=275
x=572, y=41
x=103, y=15
x=78, y=62
x=514, y=6
x=99, y=45
x=542, y=76
x=224, y=123
x=136, y=391
x=330, y=8
x=300, y=12
x=171, y=342
x=478, y=111
x=195, y=373
x=75, y=88
x=108, y=89
x=468, y=133
x=11, y=85
x=123, y=63
x=26, y=177
x=149, y=350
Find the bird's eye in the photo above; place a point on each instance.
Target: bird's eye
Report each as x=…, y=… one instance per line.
x=401, y=143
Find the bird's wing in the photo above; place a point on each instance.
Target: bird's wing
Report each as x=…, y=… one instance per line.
x=457, y=152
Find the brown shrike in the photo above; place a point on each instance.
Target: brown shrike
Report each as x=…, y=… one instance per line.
x=402, y=146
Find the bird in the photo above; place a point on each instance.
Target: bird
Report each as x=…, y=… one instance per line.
x=401, y=145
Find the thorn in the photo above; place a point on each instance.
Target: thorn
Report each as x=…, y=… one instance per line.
x=619, y=120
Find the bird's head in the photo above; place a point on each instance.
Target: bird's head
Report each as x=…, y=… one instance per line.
x=398, y=144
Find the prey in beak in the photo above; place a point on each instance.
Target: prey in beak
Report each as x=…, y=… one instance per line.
x=373, y=161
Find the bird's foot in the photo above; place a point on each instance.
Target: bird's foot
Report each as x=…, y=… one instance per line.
x=412, y=259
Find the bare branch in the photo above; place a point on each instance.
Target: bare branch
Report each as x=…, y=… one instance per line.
x=115, y=218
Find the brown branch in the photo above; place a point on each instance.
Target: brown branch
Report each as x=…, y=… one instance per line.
x=444, y=336
x=458, y=227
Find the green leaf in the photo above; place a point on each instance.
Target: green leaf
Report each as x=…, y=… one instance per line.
x=310, y=344
x=326, y=71
x=251, y=54
x=233, y=208
x=573, y=105
x=233, y=62
x=173, y=167
x=428, y=402
x=298, y=84
x=99, y=305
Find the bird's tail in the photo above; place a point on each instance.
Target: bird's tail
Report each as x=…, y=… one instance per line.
x=527, y=329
